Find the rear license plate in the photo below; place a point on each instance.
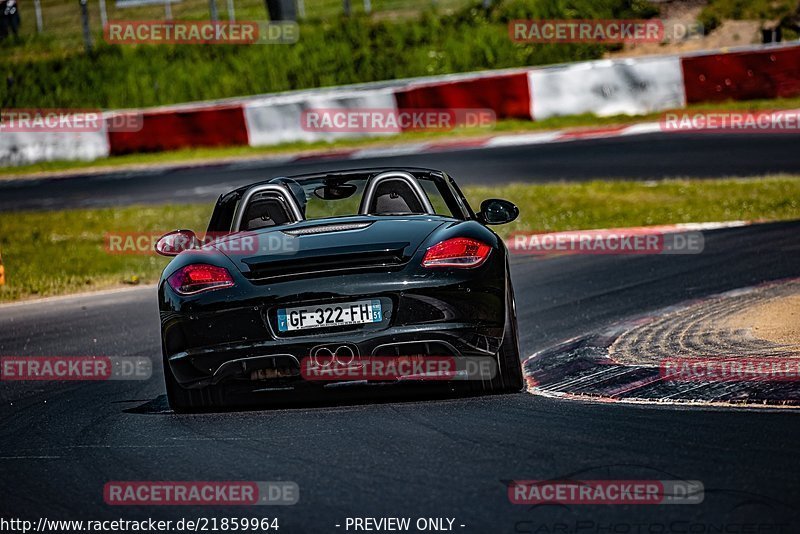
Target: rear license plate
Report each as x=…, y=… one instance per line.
x=326, y=316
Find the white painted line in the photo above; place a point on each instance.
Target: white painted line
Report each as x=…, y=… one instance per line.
x=524, y=139
x=398, y=150
x=712, y=225
x=643, y=128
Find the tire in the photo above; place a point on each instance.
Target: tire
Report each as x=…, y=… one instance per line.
x=509, y=366
x=508, y=378
x=183, y=400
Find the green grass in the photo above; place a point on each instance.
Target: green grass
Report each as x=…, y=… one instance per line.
x=62, y=22
x=610, y=204
x=717, y=11
x=46, y=72
x=58, y=252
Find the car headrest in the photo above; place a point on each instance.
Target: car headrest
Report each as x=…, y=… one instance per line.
x=395, y=196
x=265, y=212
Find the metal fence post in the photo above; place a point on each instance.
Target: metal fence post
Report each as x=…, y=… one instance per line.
x=87, y=34
x=212, y=6
x=37, y=7
x=103, y=14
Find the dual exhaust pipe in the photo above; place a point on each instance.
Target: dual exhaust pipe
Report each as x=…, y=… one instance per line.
x=342, y=355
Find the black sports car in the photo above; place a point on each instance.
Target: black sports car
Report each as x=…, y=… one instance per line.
x=333, y=269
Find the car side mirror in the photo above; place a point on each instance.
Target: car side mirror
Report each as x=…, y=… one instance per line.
x=497, y=211
x=174, y=243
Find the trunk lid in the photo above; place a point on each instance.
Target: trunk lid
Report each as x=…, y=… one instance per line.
x=329, y=245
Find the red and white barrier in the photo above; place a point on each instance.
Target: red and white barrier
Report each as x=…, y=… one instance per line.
x=22, y=148
x=506, y=94
x=745, y=75
x=606, y=87
x=175, y=128
x=275, y=120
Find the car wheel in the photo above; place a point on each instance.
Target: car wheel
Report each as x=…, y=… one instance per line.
x=509, y=366
x=508, y=378
x=183, y=400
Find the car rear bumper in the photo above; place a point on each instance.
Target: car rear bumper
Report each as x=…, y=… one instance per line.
x=281, y=360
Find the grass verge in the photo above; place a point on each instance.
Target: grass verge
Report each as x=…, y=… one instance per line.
x=59, y=252
x=508, y=126
x=46, y=73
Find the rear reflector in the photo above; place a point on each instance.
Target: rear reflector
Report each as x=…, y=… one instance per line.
x=460, y=252
x=199, y=277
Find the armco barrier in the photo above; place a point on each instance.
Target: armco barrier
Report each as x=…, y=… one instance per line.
x=22, y=148
x=506, y=94
x=607, y=87
x=275, y=120
x=172, y=129
x=770, y=73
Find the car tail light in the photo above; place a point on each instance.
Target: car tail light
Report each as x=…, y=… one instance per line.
x=199, y=277
x=457, y=252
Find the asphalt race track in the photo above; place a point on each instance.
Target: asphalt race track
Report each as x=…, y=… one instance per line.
x=649, y=156
x=412, y=458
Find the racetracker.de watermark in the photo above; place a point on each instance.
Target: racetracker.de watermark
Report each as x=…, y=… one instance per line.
x=201, y=493
x=607, y=242
x=345, y=366
x=128, y=32
x=143, y=243
x=390, y=120
x=606, y=31
x=609, y=492
x=65, y=120
x=766, y=369
x=74, y=368
x=784, y=121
